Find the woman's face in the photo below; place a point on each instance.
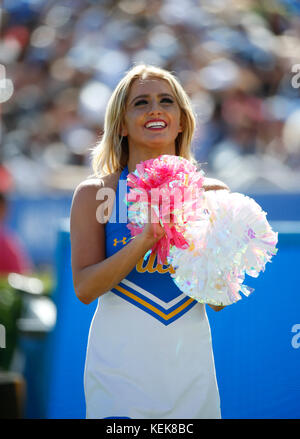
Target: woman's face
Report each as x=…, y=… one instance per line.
x=153, y=117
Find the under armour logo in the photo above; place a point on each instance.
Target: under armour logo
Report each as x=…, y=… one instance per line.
x=123, y=241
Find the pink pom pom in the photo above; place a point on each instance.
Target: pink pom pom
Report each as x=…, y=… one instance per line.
x=170, y=187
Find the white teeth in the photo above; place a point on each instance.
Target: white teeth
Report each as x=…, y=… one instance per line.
x=155, y=124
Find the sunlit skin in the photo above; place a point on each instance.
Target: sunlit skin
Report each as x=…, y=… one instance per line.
x=150, y=100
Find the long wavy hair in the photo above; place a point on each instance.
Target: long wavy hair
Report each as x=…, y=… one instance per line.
x=112, y=152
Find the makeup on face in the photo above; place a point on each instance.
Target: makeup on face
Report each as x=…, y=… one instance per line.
x=152, y=108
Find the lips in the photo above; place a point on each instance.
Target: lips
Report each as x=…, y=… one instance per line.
x=155, y=124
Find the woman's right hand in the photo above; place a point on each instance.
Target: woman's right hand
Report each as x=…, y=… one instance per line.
x=153, y=230
x=152, y=233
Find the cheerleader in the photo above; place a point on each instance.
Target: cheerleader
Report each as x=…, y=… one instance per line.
x=149, y=353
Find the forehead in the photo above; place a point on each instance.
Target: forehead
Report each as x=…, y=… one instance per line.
x=149, y=86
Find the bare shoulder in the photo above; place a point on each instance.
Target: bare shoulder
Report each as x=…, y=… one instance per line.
x=89, y=187
x=91, y=193
x=213, y=184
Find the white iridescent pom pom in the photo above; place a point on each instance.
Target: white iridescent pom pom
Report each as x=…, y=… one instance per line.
x=233, y=239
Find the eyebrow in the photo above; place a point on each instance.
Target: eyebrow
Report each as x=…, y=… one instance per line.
x=146, y=96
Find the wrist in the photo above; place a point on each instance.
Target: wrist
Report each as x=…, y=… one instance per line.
x=145, y=241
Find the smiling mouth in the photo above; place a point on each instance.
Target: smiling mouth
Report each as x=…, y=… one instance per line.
x=155, y=125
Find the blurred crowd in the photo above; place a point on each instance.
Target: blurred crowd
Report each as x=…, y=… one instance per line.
x=238, y=61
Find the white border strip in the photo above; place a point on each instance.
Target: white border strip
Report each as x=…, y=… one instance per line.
x=165, y=305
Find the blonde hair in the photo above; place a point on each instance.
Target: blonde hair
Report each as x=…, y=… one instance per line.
x=111, y=153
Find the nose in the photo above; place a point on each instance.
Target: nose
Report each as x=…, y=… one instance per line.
x=155, y=107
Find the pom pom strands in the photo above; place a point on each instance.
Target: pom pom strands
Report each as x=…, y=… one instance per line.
x=233, y=240
x=166, y=190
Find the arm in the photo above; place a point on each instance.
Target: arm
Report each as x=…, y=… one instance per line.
x=211, y=184
x=93, y=274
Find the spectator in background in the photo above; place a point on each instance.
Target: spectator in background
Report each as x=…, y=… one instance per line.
x=13, y=257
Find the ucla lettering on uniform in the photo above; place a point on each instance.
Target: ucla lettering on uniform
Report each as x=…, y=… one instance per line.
x=150, y=265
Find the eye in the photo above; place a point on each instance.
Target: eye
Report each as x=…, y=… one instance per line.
x=140, y=102
x=167, y=100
